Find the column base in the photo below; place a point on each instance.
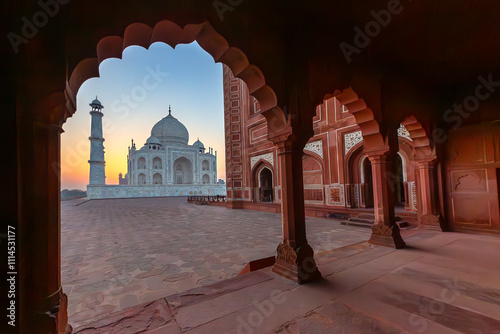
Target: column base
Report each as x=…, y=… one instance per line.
x=431, y=222
x=297, y=265
x=384, y=235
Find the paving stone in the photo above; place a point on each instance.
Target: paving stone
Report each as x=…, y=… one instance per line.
x=154, y=283
x=144, y=317
x=154, y=272
x=93, y=313
x=128, y=301
x=212, y=279
x=119, y=244
x=178, y=277
x=92, y=299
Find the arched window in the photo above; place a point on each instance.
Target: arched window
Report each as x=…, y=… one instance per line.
x=141, y=163
x=205, y=165
x=157, y=163
x=206, y=179
x=157, y=178
x=141, y=178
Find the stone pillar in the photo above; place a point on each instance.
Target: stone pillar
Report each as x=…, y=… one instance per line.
x=42, y=303
x=295, y=257
x=429, y=212
x=385, y=232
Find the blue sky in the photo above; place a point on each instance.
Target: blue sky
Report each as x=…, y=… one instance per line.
x=136, y=92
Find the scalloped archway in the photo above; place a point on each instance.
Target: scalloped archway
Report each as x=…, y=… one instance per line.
x=170, y=33
x=418, y=134
x=365, y=118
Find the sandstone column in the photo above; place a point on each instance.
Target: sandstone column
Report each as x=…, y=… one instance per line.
x=385, y=232
x=42, y=303
x=295, y=257
x=429, y=212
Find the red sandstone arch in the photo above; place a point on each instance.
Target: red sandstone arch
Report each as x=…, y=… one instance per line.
x=255, y=173
x=259, y=165
x=365, y=118
x=170, y=33
x=421, y=141
x=351, y=163
x=313, y=157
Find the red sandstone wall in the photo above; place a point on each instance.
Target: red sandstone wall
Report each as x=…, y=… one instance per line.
x=235, y=101
x=329, y=182
x=472, y=172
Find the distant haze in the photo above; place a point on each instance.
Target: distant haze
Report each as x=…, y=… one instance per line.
x=136, y=92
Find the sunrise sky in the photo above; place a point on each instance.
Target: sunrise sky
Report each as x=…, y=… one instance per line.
x=136, y=92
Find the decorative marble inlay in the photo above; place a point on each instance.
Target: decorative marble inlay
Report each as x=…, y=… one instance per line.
x=352, y=139
x=402, y=132
x=355, y=191
x=277, y=194
x=315, y=147
x=269, y=157
x=413, y=191
x=335, y=195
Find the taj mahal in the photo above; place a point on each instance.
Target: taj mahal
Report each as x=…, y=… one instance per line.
x=166, y=165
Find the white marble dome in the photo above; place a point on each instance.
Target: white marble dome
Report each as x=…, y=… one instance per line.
x=153, y=140
x=170, y=131
x=198, y=144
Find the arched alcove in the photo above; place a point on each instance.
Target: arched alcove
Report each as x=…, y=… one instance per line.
x=183, y=171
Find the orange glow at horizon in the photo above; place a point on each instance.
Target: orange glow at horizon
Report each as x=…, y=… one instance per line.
x=187, y=78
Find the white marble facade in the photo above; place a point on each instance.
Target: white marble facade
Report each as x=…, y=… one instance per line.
x=166, y=166
x=117, y=191
x=166, y=158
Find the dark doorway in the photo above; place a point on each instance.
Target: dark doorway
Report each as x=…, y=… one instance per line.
x=399, y=187
x=266, y=185
x=367, y=185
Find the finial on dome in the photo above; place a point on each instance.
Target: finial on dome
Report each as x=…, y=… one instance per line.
x=169, y=110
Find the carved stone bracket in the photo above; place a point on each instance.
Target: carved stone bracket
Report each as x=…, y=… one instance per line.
x=432, y=222
x=286, y=253
x=297, y=264
x=384, y=235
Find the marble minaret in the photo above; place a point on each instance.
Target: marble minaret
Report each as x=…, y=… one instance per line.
x=97, y=163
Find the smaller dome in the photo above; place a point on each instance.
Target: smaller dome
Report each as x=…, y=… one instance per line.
x=96, y=103
x=153, y=140
x=198, y=144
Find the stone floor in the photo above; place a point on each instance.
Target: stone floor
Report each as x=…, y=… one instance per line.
x=442, y=283
x=119, y=253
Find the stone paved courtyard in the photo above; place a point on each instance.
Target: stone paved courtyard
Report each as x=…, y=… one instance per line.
x=119, y=253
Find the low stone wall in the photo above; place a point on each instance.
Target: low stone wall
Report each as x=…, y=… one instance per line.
x=123, y=191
